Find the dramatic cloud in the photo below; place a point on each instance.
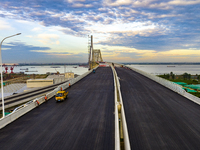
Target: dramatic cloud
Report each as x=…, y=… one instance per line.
x=20, y=52
x=30, y=53
x=19, y=47
x=157, y=25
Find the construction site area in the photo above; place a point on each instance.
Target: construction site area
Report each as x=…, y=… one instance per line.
x=21, y=83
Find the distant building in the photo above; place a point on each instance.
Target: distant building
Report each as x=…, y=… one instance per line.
x=69, y=75
x=51, y=79
x=57, y=78
x=32, y=83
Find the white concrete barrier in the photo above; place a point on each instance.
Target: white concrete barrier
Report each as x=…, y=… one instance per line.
x=123, y=117
x=117, y=134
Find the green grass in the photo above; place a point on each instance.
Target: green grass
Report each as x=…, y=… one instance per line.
x=188, y=81
x=191, y=81
x=185, y=81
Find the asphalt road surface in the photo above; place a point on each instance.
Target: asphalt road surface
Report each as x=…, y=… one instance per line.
x=158, y=118
x=85, y=121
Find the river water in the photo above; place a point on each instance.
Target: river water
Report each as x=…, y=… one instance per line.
x=166, y=69
x=152, y=69
x=44, y=69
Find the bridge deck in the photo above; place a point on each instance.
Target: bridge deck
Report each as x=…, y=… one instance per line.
x=84, y=121
x=158, y=118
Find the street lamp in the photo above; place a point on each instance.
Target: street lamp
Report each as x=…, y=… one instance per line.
x=3, y=111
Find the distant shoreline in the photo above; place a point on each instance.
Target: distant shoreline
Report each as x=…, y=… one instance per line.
x=47, y=64
x=83, y=64
x=162, y=63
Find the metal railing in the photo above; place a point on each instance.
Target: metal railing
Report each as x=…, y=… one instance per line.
x=119, y=103
x=117, y=135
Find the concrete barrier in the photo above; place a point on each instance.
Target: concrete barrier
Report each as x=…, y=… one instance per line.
x=23, y=109
x=117, y=134
x=123, y=117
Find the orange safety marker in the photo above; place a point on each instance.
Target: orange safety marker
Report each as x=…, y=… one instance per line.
x=45, y=98
x=37, y=102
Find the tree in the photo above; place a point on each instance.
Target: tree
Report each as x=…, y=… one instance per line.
x=189, y=76
x=173, y=76
x=185, y=75
x=167, y=76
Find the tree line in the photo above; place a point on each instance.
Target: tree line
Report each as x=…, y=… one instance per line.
x=185, y=76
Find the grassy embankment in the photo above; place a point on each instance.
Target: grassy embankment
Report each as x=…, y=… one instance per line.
x=186, y=78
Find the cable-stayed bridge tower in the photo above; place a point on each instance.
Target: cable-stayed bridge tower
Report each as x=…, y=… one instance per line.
x=94, y=55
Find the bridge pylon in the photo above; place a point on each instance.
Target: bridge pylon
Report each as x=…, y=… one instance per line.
x=94, y=55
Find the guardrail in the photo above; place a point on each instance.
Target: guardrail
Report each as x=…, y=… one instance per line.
x=171, y=85
x=23, y=109
x=117, y=135
x=119, y=103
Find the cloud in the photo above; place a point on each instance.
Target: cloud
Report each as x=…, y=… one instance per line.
x=5, y=25
x=29, y=36
x=141, y=24
x=36, y=29
x=71, y=1
x=22, y=51
x=16, y=46
x=117, y=2
x=184, y=2
x=30, y=53
x=152, y=41
x=124, y=54
x=48, y=38
x=78, y=5
x=130, y=55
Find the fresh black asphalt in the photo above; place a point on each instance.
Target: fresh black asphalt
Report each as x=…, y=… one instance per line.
x=85, y=121
x=158, y=118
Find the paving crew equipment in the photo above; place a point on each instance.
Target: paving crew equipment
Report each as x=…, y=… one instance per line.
x=61, y=95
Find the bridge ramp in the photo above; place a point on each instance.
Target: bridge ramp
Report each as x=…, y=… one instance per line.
x=84, y=121
x=158, y=118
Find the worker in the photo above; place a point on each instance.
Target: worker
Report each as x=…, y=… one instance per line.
x=61, y=88
x=69, y=85
x=45, y=97
x=37, y=102
x=93, y=70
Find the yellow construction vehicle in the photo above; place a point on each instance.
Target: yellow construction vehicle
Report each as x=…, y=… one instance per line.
x=61, y=95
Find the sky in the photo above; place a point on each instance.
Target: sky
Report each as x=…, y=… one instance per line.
x=56, y=31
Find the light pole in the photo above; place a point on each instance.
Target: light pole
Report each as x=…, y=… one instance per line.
x=3, y=111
